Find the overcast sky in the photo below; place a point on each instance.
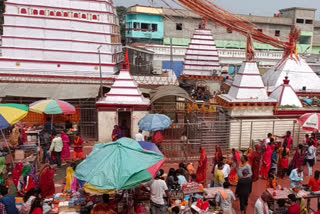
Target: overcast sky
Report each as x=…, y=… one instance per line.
x=255, y=7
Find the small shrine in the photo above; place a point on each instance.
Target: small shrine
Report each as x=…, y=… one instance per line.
x=286, y=96
x=124, y=105
x=302, y=78
x=247, y=95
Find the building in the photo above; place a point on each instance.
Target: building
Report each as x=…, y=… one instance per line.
x=177, y=27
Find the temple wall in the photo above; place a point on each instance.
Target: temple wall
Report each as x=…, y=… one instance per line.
x=135, y=117
x=252, y=111
x=106, y=122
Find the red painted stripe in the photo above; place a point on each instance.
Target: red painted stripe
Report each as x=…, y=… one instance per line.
x=193, y=38
x=125, y=87
x=120, y=105
x=62, y=18
x=247, y=87
x=59, y=8
x=196, y=49
x=53, y=50
x=202, y=44
x=57, y=29
x=201, y=65
x=198, y=34
x=59, y=40
x=187, y=54
x=202, y=60
x=57, y=62
x=54, y=76
x=186, y=69
x=123, y=95
x=124, y=79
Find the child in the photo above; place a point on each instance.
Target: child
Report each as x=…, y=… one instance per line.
x=77, y=142
x=272, y=181
x=284, y=165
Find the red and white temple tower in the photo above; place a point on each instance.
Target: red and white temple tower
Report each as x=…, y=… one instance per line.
x=124, y=102
x=60, y=38
x=201, y=58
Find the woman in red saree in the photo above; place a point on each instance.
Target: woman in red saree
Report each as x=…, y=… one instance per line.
x=46, y=183
x=217, y=158
x=266, y=162
x=255, y=164
x=65, y=153
x=233, y=177
x=16, y=173
x=202, y=167
x=298, y=157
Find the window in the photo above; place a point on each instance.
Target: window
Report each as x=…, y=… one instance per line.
x=76, y=15
x=154, y=27
x=300, y=21
x=136, y=25
x=178, y=26
x=24, y=11
x=229, y=30
x=94, y=17
x=65, y=14
x=51, y=13
x=84, y=16
x=42, y=13
x=35, y=12
x=277, y=32
x=145, y=26
x=58, y=14
x=309, y=21
x=260, y=30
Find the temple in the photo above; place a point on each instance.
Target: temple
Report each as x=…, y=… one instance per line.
x=302, y=78
x=60, y=38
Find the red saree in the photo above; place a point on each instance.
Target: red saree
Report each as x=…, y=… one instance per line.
x=233, y=177
x=16, y=173
x=297, y=159
x=202, y=167
x=46, y=182
x=266, y=162
x=256, y=159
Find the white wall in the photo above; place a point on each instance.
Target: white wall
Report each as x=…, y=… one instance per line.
x=251, y=111
x=135, y=117
x=106, y=122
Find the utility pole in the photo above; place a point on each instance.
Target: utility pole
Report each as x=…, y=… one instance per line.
x=101, y=89
x=171, y=55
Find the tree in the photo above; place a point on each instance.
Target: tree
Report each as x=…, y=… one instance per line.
x=121, y=11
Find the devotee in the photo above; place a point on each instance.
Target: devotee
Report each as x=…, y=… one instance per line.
x=44, y=137
x=272, y=181
x=8, y=200
x=46, y=183
x=310, y=157
x=256, y=159
x=68, y=125
x=202, y=167
x=274, y=162
x=36, y=207
x=28, y=198
x=284, y=166
x=219, y=176
x=313, y=183
x=78, y=144
x=314, y=138
x=157, y=188
x=190, y=169
x=172, y=179
x=139, y=136
x=48, y=126
x=244, y=165
x=294, y=207
x=243, y=190
x=283, y=151
x=56, y=146
x=287, y=139
x=281, y=209
x=116, y=133
x=217, y=157
x=26, y=182
x=306, y=140
x=265, y=142
x=181, y=178
x=184, y=171
x=65, y=152
x=224, y=198
x=296, y=177
x=14, y=137
x=226, y=168
x=266, y=162
x=261, y=205
x=233, y=177
x=103, y=207
x=298, y=157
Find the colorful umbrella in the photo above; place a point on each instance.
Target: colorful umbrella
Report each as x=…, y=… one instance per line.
x=154, y=122
x=310, y=122
x=11, y=113
x=52, y=107
x=150, y=146
x=122, y=164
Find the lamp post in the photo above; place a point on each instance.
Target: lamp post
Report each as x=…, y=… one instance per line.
x=101, y=89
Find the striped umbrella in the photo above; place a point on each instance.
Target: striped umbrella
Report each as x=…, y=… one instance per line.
x=11, y=113
x=310, y=122
x=51, y=106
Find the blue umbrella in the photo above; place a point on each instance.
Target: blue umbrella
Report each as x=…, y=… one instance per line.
x=154, y=122
x=150, y=146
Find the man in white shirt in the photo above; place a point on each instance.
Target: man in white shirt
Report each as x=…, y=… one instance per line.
x=157, y=188
x=261, y=206
x=139, y=136
x=226, y=168
x=56, y=146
